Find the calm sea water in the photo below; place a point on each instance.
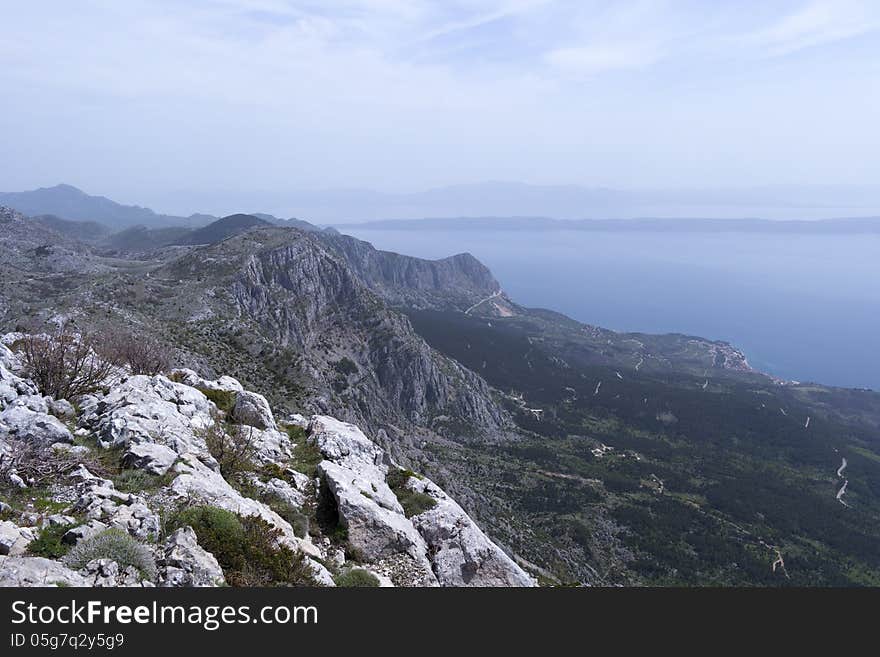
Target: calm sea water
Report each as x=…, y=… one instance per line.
x=802, y=307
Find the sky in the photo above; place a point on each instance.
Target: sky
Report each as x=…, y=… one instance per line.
x=145, y=100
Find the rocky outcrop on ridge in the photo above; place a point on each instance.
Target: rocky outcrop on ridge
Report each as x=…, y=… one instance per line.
x=146, y=449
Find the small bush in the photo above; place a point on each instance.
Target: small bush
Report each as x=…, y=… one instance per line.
x=246, y=548
x=141, y=354
x=345, y=366
x=223, y=399
x=413, y=503
x=117, y=545
x=48, y=544
x=64, y=365
x=356, y=577
x=233, y=447
x=306, y=457
x=137, y=481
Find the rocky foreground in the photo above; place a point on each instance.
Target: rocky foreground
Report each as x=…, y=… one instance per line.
x=130, y=484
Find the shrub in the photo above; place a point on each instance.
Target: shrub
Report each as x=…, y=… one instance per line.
x=117, y=545
x=233, y=447
x=223, y=399
x=141, y=354
x=48, y=544
x=306, y=457
x=63, y=365
x=345, y=366
x=34, y=462
x=413, y=502
x=246, y=547
x=356, y=577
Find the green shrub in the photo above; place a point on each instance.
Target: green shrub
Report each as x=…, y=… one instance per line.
x=136, y=481
x=297, y=433
x=356, y=577
x=345, y=366
x=48, y=543
x=413, y=503
x=246, y=547
x=233, y=448
x=223, y=399
x=116, y=545
x=306, y=457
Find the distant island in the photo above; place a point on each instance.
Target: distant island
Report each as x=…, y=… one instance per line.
x=848, y=225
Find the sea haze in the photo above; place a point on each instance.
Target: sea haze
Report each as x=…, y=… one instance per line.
x=803, y=307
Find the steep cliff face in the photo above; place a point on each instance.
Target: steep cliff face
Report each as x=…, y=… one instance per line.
x=360, y=359
x=456, y=282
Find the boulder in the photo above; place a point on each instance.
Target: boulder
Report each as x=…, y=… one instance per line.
x=26, y=424
x=83, y=532
x=184, y=563
x=151, y=457
x=61, y=408
x=37, y=571
x=252, y=409
x=14, y=539
x=191, y=378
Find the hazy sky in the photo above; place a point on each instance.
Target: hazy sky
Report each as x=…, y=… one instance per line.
x=137, y=98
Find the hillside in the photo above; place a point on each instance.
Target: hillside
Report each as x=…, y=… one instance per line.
x=590, y=456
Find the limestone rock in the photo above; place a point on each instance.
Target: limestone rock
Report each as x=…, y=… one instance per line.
x=26, y=424
x=462, y=555
x=106, y=572
x=252, y=409
x=14, y=539
x=37, y=571
x=151, y=457
x=185, y=563
x=146, y=409
x=191, y=378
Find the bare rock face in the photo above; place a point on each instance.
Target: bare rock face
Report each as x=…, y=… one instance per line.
x=145, y=409
x=185, y=563
x=37, y=571
x=462, y=555
x=443, y=542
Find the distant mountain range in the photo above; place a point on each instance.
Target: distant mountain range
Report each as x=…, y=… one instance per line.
x=513, y=199
x=506, y=206
x=65, y=202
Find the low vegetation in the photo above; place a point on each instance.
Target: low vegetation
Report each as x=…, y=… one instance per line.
x=246, y=547
x=64, y=365
x=413, y=502
x=356, y=577
x=48, y=543
x=116, y=545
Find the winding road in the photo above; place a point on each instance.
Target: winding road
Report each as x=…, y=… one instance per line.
x=482, y=301
x=842, y=491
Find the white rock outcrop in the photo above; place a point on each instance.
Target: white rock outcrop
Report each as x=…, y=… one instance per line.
x=38, y=571
x=143, y=409
x=183, y=562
